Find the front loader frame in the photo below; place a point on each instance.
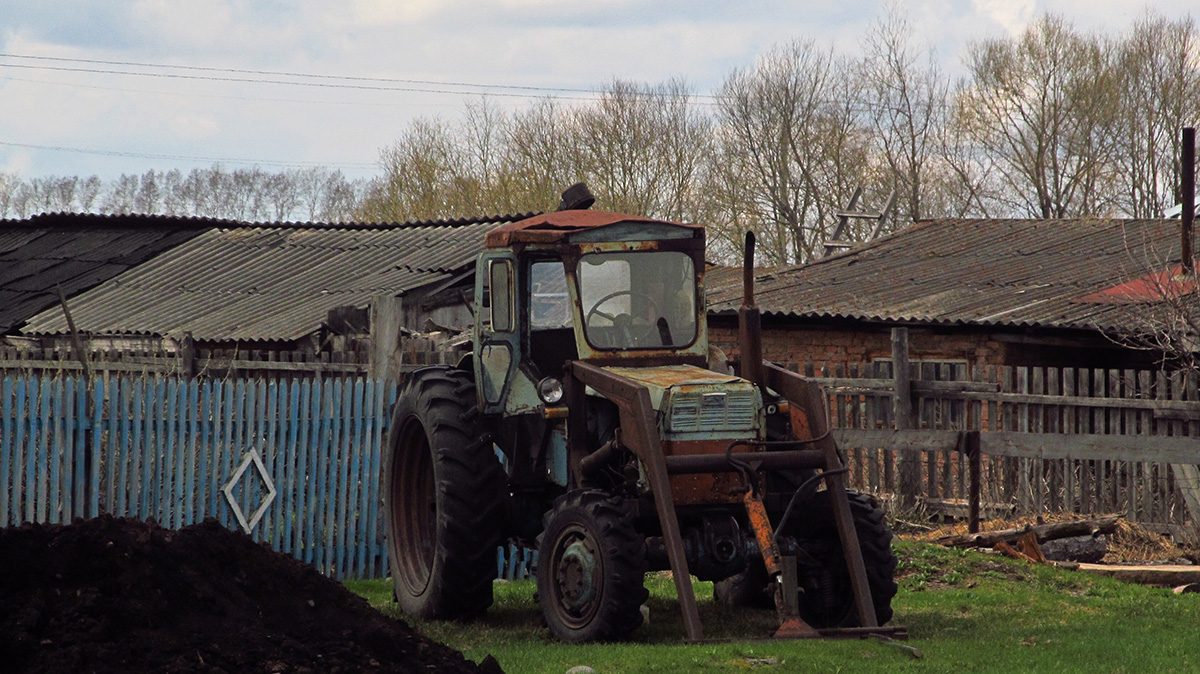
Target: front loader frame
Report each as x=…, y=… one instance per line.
x=641, y=436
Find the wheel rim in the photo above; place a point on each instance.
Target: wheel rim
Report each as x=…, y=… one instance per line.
x=414, y=521
x=577, y=584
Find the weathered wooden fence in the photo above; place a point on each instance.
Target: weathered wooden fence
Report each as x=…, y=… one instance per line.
x=306, y=455
x=1050, y=439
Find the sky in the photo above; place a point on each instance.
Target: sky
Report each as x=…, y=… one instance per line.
x=107, y=87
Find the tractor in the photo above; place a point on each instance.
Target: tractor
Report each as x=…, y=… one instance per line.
x=628, y=446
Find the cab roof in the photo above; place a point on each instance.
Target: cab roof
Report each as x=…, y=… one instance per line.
x=558, y=226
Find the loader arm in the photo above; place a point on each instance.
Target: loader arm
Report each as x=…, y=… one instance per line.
x=641, y=435
x=808, y=396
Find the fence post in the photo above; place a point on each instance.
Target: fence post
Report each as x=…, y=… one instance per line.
x=910, y=460
x=971, y=447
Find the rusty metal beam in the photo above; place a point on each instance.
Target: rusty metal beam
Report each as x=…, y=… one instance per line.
x=640, y=432
x=806, y=393
x=719, y=463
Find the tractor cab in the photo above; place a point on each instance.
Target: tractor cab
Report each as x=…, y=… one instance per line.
x=572, y=285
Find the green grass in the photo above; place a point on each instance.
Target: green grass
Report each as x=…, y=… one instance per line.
x=967, y=612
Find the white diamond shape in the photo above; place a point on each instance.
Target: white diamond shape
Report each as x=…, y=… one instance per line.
x=237, y=475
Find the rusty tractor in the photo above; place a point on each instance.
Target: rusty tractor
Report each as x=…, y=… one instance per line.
x=628, y=446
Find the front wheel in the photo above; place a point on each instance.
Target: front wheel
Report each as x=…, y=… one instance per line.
x=442, y=491
x=591, y=566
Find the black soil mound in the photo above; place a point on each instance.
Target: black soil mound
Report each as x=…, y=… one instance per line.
x=118, y=595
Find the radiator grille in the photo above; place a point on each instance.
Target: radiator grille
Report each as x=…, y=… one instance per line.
x=723, y=411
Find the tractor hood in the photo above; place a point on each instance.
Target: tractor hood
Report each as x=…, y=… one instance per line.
x=690, y=399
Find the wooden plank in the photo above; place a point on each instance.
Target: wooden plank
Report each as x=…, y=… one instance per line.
x=1187, y=476
x=77, y=422
x=370, y=419
x=167, y=435
x=206, y=450
x=22, y=421
x=1092, y=446
x=384, y=400
x=1167, y=575
x=340, y=460
x=224, y=469
x=44, y=451
x=273, y=519
x=304, y=471
x=59, y=452
x=290, y=488
x=355, y=534
x=7, y=450
x=192, y=452
x=99, y=390
x=1024, y=488
x=901, y=440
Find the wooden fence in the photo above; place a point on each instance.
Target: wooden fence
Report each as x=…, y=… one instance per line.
x=167, y=448
x=184, y=362
x=1051, y=439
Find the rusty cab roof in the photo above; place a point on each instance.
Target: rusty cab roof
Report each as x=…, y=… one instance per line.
x=578, y=225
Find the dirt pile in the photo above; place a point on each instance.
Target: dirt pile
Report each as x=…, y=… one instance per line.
x=118, y=595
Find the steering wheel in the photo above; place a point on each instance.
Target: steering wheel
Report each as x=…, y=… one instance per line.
x=634, y=334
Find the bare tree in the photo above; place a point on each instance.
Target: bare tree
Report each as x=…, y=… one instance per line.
x=8, y=187
x=1160, y=94
x=121, y=196
x=907, y=98
x=793, y=128
x=1045, y=105
x=540, y=156
x=1157, y=303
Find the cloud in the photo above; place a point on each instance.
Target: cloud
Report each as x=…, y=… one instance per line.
x=1012, y=15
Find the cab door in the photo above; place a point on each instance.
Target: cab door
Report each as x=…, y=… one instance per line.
x=497, y=333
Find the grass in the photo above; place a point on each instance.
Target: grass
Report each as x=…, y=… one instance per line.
x=966, y=611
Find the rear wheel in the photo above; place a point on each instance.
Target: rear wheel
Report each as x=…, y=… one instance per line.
x=828, y=595
x=591, y=566
x=442, y=490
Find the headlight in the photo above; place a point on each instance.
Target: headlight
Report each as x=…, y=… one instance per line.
x=550, y=390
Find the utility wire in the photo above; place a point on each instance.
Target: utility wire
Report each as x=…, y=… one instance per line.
x=425, y=86
x=211, y=160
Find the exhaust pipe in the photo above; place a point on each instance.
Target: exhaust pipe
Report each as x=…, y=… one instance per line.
x=750, y=322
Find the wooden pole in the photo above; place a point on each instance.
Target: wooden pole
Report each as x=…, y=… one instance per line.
x=910, y=461
x=1188, y=213
x=975, y=464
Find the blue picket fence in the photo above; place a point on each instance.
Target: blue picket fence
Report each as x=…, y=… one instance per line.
x=162, y=448
x=168, y=449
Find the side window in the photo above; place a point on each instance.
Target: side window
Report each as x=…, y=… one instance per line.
x=501, y=291
x=548, y=303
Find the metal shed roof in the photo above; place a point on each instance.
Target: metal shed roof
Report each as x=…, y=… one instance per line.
x=983, y=272
x=75, y=252
x=270, y=281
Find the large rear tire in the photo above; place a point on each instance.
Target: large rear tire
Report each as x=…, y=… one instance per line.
x=442, y=490
x=590, y=570
x=828, y=597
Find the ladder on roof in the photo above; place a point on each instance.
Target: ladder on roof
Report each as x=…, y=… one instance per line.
x=836, y=242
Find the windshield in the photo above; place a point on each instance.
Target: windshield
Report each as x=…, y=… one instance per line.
x=638, y=300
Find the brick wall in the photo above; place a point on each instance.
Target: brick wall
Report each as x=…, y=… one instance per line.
x=793, y=345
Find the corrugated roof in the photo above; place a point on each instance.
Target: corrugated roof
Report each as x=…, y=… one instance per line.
x=272, y=281
x=75, y=252
x=957, y=271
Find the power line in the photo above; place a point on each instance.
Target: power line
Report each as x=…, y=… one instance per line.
x=284, y=73
x=210, y=160
x=219, y=96
x=492, y=89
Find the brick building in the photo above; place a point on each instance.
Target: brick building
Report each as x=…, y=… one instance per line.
x=1055, y=293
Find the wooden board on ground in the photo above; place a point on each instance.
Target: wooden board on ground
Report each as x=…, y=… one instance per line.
x=1167, y=575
